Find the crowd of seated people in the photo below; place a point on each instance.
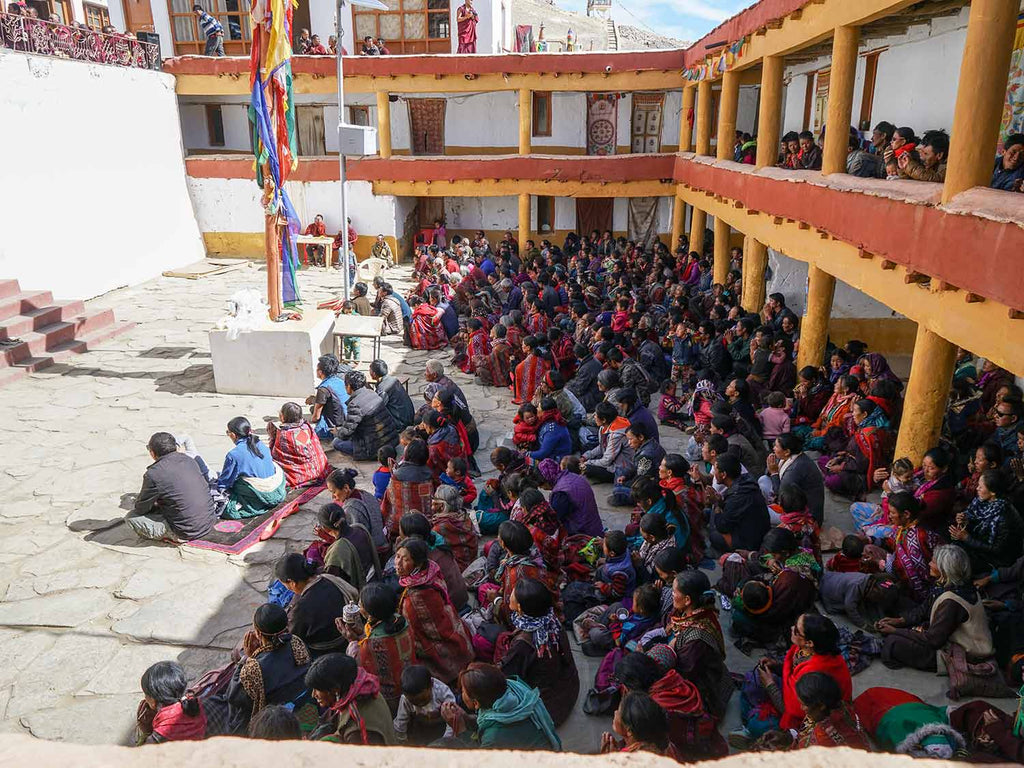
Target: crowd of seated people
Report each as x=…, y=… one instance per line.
x=890, y=153
x=430, y=609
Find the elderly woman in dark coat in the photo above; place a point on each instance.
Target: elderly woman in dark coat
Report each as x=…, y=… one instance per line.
x=368, y=424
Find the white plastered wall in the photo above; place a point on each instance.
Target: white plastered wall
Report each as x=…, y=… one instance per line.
x=125, y=199
x=232, y=205
x=789, y=277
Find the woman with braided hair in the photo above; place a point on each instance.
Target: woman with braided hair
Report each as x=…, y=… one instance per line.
x=352, y=709
x=272, y=670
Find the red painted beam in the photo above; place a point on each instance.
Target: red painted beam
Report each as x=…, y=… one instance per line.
x=386, y=66
x=739, y=26
x=615, y=168
x=970, y=252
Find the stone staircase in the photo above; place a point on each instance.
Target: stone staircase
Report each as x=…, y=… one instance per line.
x=613, y=36
x=36, y=331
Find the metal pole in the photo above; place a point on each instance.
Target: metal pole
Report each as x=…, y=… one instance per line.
x=344, y=255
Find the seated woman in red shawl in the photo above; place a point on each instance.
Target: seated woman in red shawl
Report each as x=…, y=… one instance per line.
x=477, y=346
x=441, y=640
x=520, y=561
x=450, y=521
x=410, y=489
x=387, y=645
x=535, y=322
x=692, y=731
x=830, y=721
x=830, y=426
x=852, y=472
x=912, y=546
x=770, y=701
x=443, y=443
x=495, y=368
x=295, y=447
x=529, y=374
x=425, y=330
x=810, y=395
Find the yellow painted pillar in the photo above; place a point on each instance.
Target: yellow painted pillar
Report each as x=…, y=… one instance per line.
x=728, y=105
x=698, y=223
x=525, y=120
x=678, y=219
x=981, y=95
x=769, y=116
x=821, y=286
x=722, y=246
x=840, y=99
x=383, y=125
x=685, y=126
x=924, y=402
x=704, y=118
x=524, y=221
x=755, y=262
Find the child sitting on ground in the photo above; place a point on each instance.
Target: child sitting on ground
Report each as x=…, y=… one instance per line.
x=615, y=578
x=671, y=408
x=458, y=477
x=774, y=419
x=620, y=319
x=418, y=722
x=851, y=558
x=873, y=519
x=618, y=627
x=657, y=536
x=386, y=457
x=405, y=437
x=524, y=428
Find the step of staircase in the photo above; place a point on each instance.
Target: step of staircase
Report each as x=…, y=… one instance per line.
x=37, y=319
x=9, y=288
x=37, y=332
x=61, y=352
x=24, y=301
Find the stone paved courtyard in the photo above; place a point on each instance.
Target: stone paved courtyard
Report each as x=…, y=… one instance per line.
x=86, y=606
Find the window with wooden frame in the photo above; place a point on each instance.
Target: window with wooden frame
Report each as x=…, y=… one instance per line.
x=96, y=16
x=187, y=36
x=867, y=99
x=66, y=14
x=407, y=27
x=358, y=115
x=541, y=113
x=215, y=125
x=545, y=215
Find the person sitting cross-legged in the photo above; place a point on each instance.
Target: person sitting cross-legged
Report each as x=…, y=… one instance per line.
x=174, y=503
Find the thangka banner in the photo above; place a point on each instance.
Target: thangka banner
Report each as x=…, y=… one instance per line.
x=602, y=119
x=1013, y=107
x=272, y=115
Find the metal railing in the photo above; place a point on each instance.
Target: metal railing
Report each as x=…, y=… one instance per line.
x=47, y=38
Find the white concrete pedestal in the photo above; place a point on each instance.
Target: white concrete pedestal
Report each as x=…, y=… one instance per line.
x=277, y=359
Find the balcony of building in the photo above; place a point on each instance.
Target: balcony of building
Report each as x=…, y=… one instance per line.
x=75, y=41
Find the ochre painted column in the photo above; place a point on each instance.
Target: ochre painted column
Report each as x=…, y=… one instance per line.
x=924, y=402
x=698, y=222
x=685, y=126
x=980, y=96
x=769, y=116
x=678, y=219
x=821, y=286
x=722, y=246
x=728, y=105
x=525, y=120
x=703, y=118
x=524, y=222
x=755, y=262
x=840, y=99
x=383, y=125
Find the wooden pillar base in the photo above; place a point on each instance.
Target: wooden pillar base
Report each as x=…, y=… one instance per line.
x=755, y=264
x=924, y=403
x=821, y=287
x=722, y=247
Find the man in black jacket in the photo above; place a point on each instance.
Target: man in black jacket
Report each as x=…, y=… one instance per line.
x=175, y=503
x=741, y=518
x=788, y=463
x=584, y=383
x=714, y=363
